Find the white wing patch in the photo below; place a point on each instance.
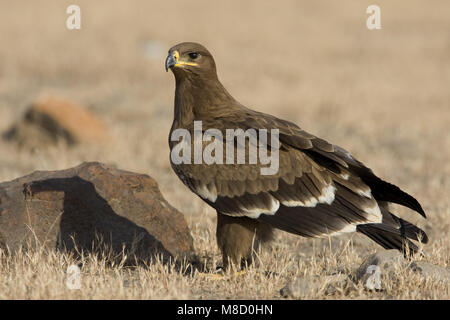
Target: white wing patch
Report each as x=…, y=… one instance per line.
x=347, y=229
x=327, y=196
x=344, y=175
x=311, y=202
x=374, y=214
x=255, y=212
x=208, y=192
x=365, y=193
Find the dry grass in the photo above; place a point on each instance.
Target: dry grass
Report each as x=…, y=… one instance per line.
x=381, y=94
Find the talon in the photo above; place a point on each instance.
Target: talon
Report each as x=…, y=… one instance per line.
x=220, y=275
x=212, y=276
x=240, y=273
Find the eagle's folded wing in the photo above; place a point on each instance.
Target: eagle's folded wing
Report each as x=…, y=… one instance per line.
x=304, y=197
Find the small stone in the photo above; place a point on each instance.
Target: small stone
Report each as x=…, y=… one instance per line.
x=50, y=119
x=427, y=269
x=300, y=288
x=372, y=278
x=306, y=287
x=378, y=267
x=338, y=282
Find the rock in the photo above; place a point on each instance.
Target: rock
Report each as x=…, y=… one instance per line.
x=378, y=267
x=382, y=266
x=90, y=206
x=300, y=288
x=50, y=119
x=306, y=287
x=427, y=269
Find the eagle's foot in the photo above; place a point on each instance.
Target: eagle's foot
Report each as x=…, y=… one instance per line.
x=220, y=274
x=211, y=276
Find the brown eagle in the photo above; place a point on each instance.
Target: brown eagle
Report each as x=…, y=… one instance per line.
x=319, y=189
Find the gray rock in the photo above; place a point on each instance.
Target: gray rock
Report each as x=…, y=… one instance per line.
x=382, y=266
x=306, y=287
x=427, y=269
x=300, y=288
x=378, y=267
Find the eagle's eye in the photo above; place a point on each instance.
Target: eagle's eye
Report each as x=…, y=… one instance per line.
x=193, y=55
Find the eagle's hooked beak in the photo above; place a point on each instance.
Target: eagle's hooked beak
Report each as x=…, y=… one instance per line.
x=173, y=60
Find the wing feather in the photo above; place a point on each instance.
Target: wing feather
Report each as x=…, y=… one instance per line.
x=318, y=190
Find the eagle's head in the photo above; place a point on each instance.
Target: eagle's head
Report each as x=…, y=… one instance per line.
x=189, y=59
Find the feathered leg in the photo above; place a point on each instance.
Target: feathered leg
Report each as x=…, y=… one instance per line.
x=237, y=237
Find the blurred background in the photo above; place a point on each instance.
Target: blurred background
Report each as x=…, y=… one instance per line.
x=382, y=94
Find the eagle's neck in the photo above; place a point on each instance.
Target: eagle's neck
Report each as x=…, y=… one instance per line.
x=198, y=98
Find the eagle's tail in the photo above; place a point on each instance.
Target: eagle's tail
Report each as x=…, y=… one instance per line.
x=394, y=233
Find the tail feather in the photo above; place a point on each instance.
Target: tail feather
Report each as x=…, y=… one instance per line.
x=411, y=231
x=385, y=191
x=387, y=237
x=390, y=237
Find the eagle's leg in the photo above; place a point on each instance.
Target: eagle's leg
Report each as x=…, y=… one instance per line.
x=238, y=237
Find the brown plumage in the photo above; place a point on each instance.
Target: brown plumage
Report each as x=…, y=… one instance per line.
x=318, y=190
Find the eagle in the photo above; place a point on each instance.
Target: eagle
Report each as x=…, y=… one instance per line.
x=318, y=190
